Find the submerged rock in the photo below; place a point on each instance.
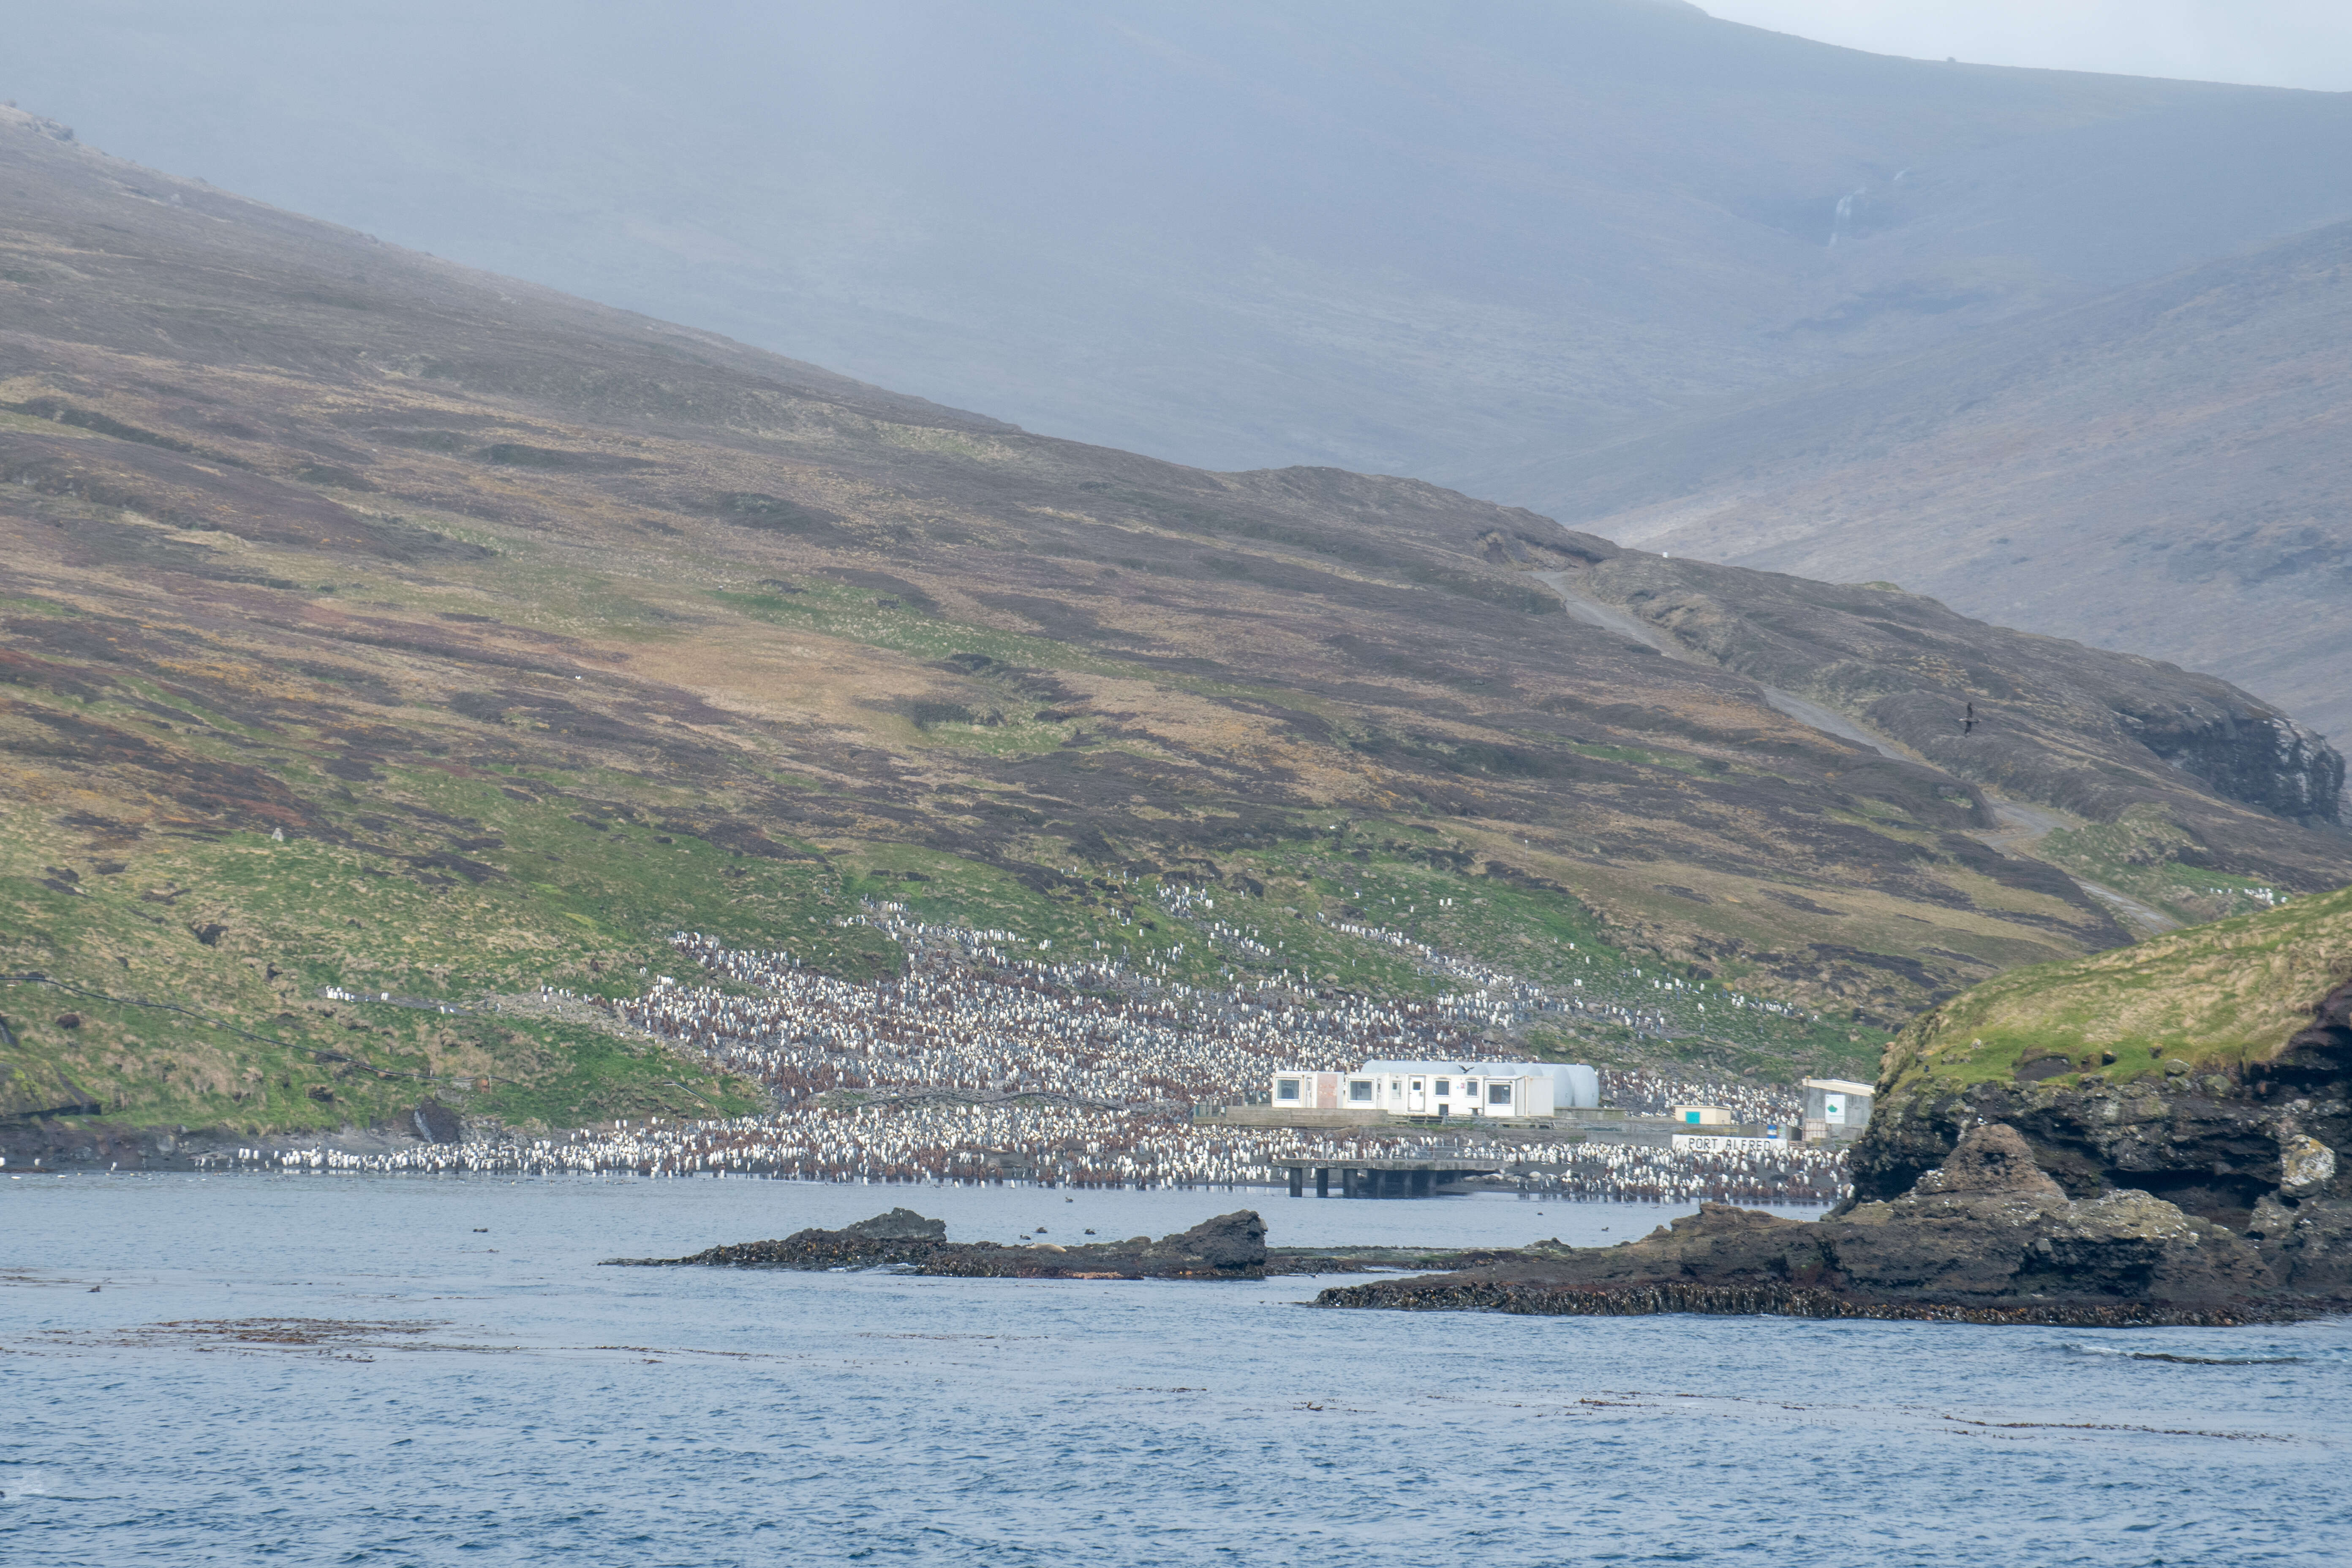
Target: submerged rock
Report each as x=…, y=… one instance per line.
x=1987, y=1237
x=1230, y=1246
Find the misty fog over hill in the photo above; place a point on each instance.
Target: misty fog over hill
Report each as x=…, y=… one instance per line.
x=2164, y=468
x=1461, y=243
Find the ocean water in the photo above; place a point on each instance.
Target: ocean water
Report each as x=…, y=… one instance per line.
x=471, y=1388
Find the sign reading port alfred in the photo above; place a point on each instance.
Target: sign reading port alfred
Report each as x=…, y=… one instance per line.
x=1723, y=1143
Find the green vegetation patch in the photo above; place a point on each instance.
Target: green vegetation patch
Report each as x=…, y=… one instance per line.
x=578, y=1074
x=2207, y=998
x=434, y=887
x=2147, y=855
x=994, y=657
x=1074, y=914
x=894, y=621
x=33, y=605
x=339, y=974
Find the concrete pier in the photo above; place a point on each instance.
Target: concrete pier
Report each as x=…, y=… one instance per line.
x=1404, y=1178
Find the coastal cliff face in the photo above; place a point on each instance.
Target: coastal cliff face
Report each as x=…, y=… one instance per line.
x=2195, y=1066
x=2256, y=758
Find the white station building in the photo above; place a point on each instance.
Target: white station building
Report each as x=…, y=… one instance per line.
x=1444, y=1088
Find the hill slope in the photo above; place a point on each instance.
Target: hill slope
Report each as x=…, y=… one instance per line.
x=1400, y=238
x=378, y=625
x=2164, y=469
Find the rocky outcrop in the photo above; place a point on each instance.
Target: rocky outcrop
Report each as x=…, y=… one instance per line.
x=1990, y=1227
x=897, y=1239
x=2307, y=1244
x=2216, y=1143
x=438, y=1123
x=2259, y=758
x=1995, y=1160
x=1986, y=1237
x=1230, y=1246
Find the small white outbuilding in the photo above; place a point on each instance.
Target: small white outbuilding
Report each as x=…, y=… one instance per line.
x=1835, y=1108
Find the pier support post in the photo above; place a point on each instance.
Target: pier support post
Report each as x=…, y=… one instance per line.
x=1322, y=1180
x=1421, y=1182
x=1298, y=1181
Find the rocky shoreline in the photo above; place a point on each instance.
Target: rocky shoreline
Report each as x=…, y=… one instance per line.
x=1529, y=1300
x=59, y=1143
x=2174, y=1197
x=1985, y=1237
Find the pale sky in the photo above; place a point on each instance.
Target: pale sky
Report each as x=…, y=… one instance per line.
x=2272, y=43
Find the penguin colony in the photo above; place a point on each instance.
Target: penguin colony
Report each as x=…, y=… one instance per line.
x=1649, y=1005
x=1067, y=1146
x=984, y=1064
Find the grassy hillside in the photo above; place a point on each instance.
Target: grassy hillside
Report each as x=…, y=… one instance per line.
x=2210, y=998
x=394, y=948
x=379, y=627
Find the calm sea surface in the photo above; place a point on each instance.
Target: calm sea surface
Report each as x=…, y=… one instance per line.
x=473, y=1389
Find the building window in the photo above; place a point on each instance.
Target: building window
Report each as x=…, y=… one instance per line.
x=1359, y=1089
x=1499, y=1094
x=1445, y=1088
x=1416, y=1086
x=1286, y=1088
